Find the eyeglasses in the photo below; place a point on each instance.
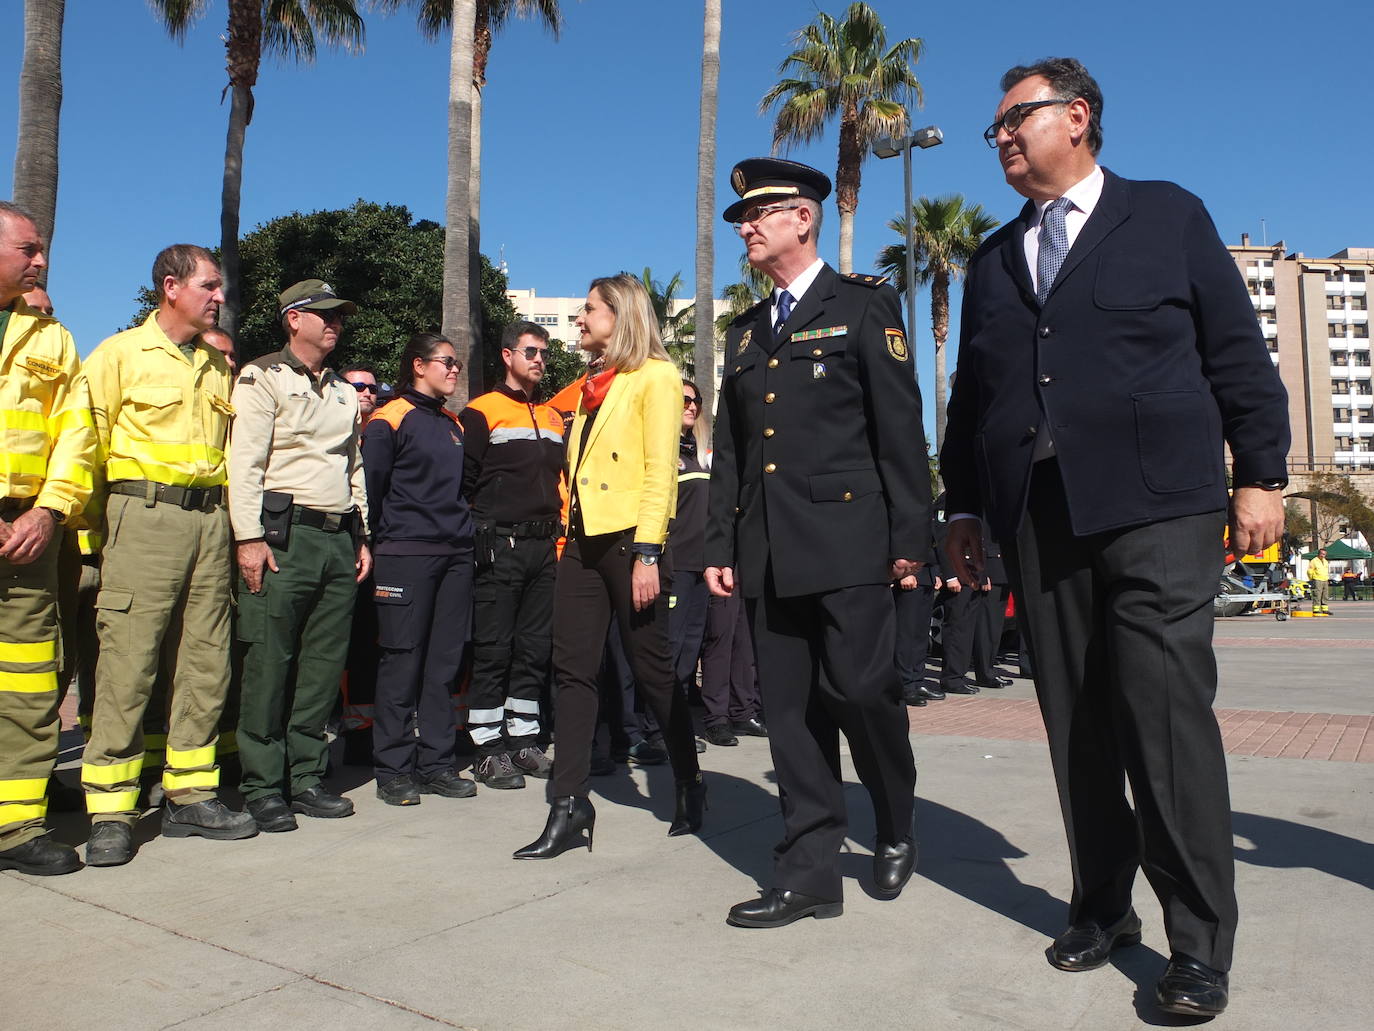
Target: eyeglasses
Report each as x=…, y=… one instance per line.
x=1013, y=116
x=759, y=213
x=363, y=388
x=447, y=361
x=531, y=353
x=690, y=399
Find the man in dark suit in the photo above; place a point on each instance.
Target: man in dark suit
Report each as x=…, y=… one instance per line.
x=914, y=598
x=1107, y=349
x=820, y=497
x=992, y=614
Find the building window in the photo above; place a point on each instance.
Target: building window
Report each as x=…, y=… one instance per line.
x=1360, y=329
x=1360, y=358
x=1340, y=386
x=546, y=320
x=1362, y=387
x=1335, y=303
x=1333, y=277
x=1355, y=276
x=1340, y=357
x=1358, y=302
x=1340, y=415
x=1335, y=329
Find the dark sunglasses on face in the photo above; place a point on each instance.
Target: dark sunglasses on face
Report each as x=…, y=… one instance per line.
x=531, y=353
x=447, y=361
x=363, y=388
x=690, y=399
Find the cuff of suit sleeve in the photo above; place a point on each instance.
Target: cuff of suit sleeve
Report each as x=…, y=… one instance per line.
x=641, y=548
x=1248, y=469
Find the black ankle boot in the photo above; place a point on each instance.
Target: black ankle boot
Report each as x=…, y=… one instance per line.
x=568, y=818
x=691, y=802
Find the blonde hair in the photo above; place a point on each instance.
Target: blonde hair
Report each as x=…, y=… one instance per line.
x=635, y=339
x=701, y=429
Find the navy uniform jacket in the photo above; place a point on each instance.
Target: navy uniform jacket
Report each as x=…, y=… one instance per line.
x=820, y=458
x=1144, y=358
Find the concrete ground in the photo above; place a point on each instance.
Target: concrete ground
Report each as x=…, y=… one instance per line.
x=411, y=918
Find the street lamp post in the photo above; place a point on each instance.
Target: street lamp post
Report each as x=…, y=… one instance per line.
x=887, y=147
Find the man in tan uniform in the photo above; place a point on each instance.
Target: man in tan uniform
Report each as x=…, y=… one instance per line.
x=160, y=400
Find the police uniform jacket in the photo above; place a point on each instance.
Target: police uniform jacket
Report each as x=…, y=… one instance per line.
x=820, y=462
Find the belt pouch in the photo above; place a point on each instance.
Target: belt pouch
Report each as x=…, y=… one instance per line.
x=276, y=517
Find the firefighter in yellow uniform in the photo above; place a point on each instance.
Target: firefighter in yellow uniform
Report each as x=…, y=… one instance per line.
x=1319, y=576
x=160, y=401
x=46, y=450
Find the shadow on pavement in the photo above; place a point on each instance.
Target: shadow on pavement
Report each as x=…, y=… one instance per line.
x=1283, y=844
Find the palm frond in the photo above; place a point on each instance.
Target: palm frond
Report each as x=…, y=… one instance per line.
x=177, y=16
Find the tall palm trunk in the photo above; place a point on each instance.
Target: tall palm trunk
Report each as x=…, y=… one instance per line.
x=847, y=185
x=457, y=324
x=244, y=48
x=40, y=107
x=939, y=325
x=475, y=371
x=705, y=338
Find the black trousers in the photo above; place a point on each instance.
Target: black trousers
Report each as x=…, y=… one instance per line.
x=360, y=681
x=987, y=632
x=825, y=667
x=511, y=643
x=424, y=612
x=593, y=582
x=1120, y=628
x=729, y=685
x=913, y=609
x=962, y=611
x=687, y=625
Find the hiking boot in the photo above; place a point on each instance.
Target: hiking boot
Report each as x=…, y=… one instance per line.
x=532, y=762
x=498, y=771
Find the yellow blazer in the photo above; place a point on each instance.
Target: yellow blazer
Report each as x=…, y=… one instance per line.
x=627, y=474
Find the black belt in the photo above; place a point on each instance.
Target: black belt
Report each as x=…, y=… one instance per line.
x=542, y=528
x=12, y=507
x=329, y=522
x=189, y=498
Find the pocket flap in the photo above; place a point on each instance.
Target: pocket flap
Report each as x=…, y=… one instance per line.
x=114, y=599
x=276, y=501
x=844, y=486
x=155, y=397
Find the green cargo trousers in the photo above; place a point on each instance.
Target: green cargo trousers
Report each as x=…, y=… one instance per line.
x=294, y=635
x=28, y=693
x=165, y=579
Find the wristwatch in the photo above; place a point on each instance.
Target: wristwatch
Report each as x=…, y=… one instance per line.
x=1269, y=484
x=648, y=560
x=57, y=517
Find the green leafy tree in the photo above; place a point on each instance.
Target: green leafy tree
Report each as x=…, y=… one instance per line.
x=678, y=329
x=563, y=366
x=753, y=286
x=1339, y=507
x=845, y=70
x=946, y=232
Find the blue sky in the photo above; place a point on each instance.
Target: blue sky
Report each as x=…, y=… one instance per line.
x=590, y=145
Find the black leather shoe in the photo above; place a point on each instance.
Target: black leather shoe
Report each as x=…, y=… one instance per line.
x=752, y=727
x=568, y=818
x=41, y=857
x=271, y=814
x=963, y=687
x=910, y=696
x=721, y=734
x=111, y=844
x=1192, y=988
x=1088, y=946
x=691, y=805
x=892, y=867
x=994, y=682
x=929, y=691
x=448, y=784
x=209, y=819
x=320, y=803
x=646, y=753
x=778, y=908
x=399, y=791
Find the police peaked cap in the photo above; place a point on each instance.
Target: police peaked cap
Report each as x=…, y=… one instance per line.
x=760, y=180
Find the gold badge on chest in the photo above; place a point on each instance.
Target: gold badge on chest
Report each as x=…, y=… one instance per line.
x=744, y=341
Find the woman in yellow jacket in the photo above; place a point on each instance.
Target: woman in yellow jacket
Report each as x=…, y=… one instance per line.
x=622, y=476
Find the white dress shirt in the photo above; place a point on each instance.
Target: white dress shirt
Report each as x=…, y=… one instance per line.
x=796, y=288
x=1084, y=196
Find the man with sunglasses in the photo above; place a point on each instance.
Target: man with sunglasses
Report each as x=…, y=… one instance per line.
x=512, y=464
x=298, y=506
x=363, y=379
x=1107, y=350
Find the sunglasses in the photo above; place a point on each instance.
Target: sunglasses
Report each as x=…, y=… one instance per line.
x=531, y=353
x=363, y=388
x=447, y=361
x=690, y=399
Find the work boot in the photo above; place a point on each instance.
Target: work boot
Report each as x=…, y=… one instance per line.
x=209, y=819
x=318, y=802
x=532, y=762
x=111, y=844
x=399, y=791
x=271, y=814
x=446, y=783
x=497, y=771
x=41, y=857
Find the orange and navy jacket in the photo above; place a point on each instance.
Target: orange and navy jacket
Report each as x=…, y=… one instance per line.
x=512, y=458
x=413, y=464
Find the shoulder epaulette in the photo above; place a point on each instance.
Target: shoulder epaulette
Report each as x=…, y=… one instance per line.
x=872, y=282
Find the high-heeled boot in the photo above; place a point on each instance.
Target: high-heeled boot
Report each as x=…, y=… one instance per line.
x=568, y=818
x=691, y=802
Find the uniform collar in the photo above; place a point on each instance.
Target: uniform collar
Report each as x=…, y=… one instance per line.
x=513, y=394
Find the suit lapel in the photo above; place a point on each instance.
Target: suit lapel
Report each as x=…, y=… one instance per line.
x=810, y=308
x=1014, y=251
x=1113, y=208
x=620, y=386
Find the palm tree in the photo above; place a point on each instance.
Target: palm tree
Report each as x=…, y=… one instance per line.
x=40, y=105
x=287, y=28
x=705, y=350
x=739, y=297
x=677, y=328
x=945, y=235
x=845, y=69
x=461, y=305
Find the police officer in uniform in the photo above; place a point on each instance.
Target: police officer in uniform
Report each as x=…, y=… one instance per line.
x=299, y=509
x=820, y=498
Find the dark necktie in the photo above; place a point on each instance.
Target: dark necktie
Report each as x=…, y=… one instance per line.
x=1054, y=245
x=785, y=303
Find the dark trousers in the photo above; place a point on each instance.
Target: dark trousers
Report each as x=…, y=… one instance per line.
x=987, y=632
x=957, y=626
x=424, y=611
x=825, y=666
x=511, y=643
x=360, y=684
x=295, y=636
x=1120, y=627
x=729, y=686
x=687, y=625
x=593, y=583
x=636, y=721
x=913, y=609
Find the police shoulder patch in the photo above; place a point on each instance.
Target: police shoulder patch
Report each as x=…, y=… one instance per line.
x=896, y=344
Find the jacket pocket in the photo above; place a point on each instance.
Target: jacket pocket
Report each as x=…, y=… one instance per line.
x=1128, y=282
x=844, y=486
x=396, y=630
x=1172, y=440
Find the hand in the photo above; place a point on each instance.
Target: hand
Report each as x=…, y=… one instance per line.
x=253, y=555
x=28, y=537
x=643, y=584
x=1256, y=519
x=987, y=586
x=964, y=549
x=364, y=563
x=939, y=583
x=901, y=567
x=5, y=530
x=908, y=582
x=953, y=585
x=720, y=580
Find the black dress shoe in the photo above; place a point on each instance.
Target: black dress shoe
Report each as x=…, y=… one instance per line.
x=913, y=699
x=720, y=734
x=111, y=844
x=646, y=753
x=568, y=818
x=752, y=727
x=892, y=867
x=778, y=908
x=994, y=682
x=1192, y=988
x=271, y=814
x=1089, y=945
x=963, y=687
x=691, y=805
x=41, y=857
x=320, y=803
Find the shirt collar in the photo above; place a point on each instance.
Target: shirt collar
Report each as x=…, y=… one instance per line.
x=512, y=393
x=802, y=283
x=1083, y=195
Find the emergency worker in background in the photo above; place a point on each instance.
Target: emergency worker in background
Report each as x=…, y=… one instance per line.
x=360, y=679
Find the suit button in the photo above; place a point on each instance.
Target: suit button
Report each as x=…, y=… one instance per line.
x=615, y=457
x=1044, y=331
x=848, y=496
x=771, y=467
x=769, y=431
x=1032, y=430
x=772, y=363
x=604, y=487
x=817, y=352
x=1046, y=379
x=768, y=397
x=737, y=510
x=584, y=481
x=738, y=368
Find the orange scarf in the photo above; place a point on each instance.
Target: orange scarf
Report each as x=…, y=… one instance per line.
x=595, y=388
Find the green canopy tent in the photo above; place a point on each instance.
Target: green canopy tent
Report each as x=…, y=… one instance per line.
x=1340, y=550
